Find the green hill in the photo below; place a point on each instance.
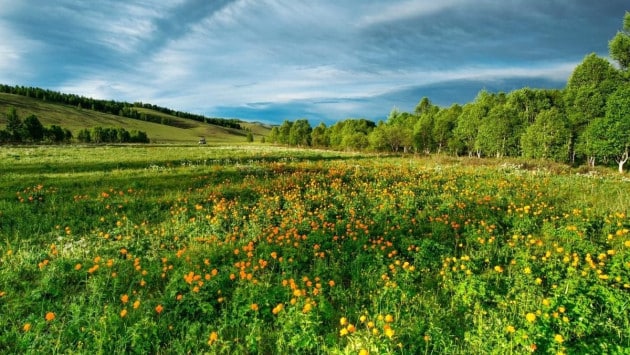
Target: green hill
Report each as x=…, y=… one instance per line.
x=178, y=131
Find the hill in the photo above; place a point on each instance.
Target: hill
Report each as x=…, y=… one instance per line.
x=178, y=130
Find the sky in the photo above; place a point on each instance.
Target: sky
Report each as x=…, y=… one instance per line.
x=323, y=60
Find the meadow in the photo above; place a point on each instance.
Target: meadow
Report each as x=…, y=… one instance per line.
x=251, y=249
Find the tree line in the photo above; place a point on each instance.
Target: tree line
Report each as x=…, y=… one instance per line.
x=123, y=109
x=586, y=122
x=32, y=131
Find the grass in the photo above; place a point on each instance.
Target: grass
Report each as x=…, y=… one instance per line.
x=251, y=249
x=75, y=119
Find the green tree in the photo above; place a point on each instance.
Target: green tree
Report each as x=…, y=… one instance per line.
x=617, y=124
x=300, y=133
x=444, y=124
x=15, y=126
x=319, y=136
x=274, y=135
x=467, y=126
x=284, y=131
x=499, y=133
x=33, y=129
x=619, y=46
x=548, y=137
x=250, y=137
x=585, y=96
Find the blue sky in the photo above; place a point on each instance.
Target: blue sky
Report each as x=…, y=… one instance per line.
x=323, y=60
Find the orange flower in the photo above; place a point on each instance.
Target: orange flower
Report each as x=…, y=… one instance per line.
x=124, y=298
x=50, y=316
x=26, y=327
x=159, y=308
x=123, y=313
x=77, y=267
x=136, y=304
x=254, y=307
x=214, y=336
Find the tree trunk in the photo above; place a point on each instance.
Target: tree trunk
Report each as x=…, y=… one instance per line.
x=623, y=160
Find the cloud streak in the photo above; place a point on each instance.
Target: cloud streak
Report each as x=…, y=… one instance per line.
x=278, y=59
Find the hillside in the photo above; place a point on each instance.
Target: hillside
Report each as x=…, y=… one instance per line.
x=179, y=130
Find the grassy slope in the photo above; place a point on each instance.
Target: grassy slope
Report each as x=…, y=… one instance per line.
x=188, y=131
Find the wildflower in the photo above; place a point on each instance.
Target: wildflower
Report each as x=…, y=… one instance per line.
x=123, y=313
x=343, y=332
x=26, y=327
x=351, y=328
x=159, y=308
x=50, y=316
x=124, y=298
x=363, y=352
x=389, y=318
x=331, y=283
x=531, y=317
x=362, y=319
x=510, y=329
x=558, y=338
x=136, y=304
x=254, y=307
x=343, y=321
x=213, y=338
x=307, y=308
x=389, y=332
x=78, y=267
x=277, y=309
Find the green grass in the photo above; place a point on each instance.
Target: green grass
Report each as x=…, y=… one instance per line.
x=75, y=119
x=251, y=249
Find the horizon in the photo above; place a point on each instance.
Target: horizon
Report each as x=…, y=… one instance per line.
x=274, y=60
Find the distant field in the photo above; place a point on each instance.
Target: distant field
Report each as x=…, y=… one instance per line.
x=254, y=249
x=75, y=119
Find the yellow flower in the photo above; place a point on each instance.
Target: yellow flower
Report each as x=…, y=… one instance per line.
x=363, y=352
x=510, y=329
x=343, y=332
x=558, y=338
x=389, y=332
x=214, y=336
x=254, y=307
x=531, y=317
x=124, y=298
x=389, y=318
x=343, y=321
x=136, y=304
x=26, y=327
x=123, y=313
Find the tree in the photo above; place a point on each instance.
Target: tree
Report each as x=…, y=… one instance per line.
x=619, y=46
x=300, y=133
x=250, y=137
x=617, y=125
x=444, y=124
x=14, y=125
x=284, y=131
x=274, y=135
x=548, y=137
x=499, y=133
x=319, y=136
x=33, y=129
x=588, y=88
x=467, y=125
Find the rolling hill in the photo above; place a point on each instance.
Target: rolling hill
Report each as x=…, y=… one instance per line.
x=178, y=131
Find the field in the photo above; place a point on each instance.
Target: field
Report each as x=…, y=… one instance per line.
x=160, y=249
